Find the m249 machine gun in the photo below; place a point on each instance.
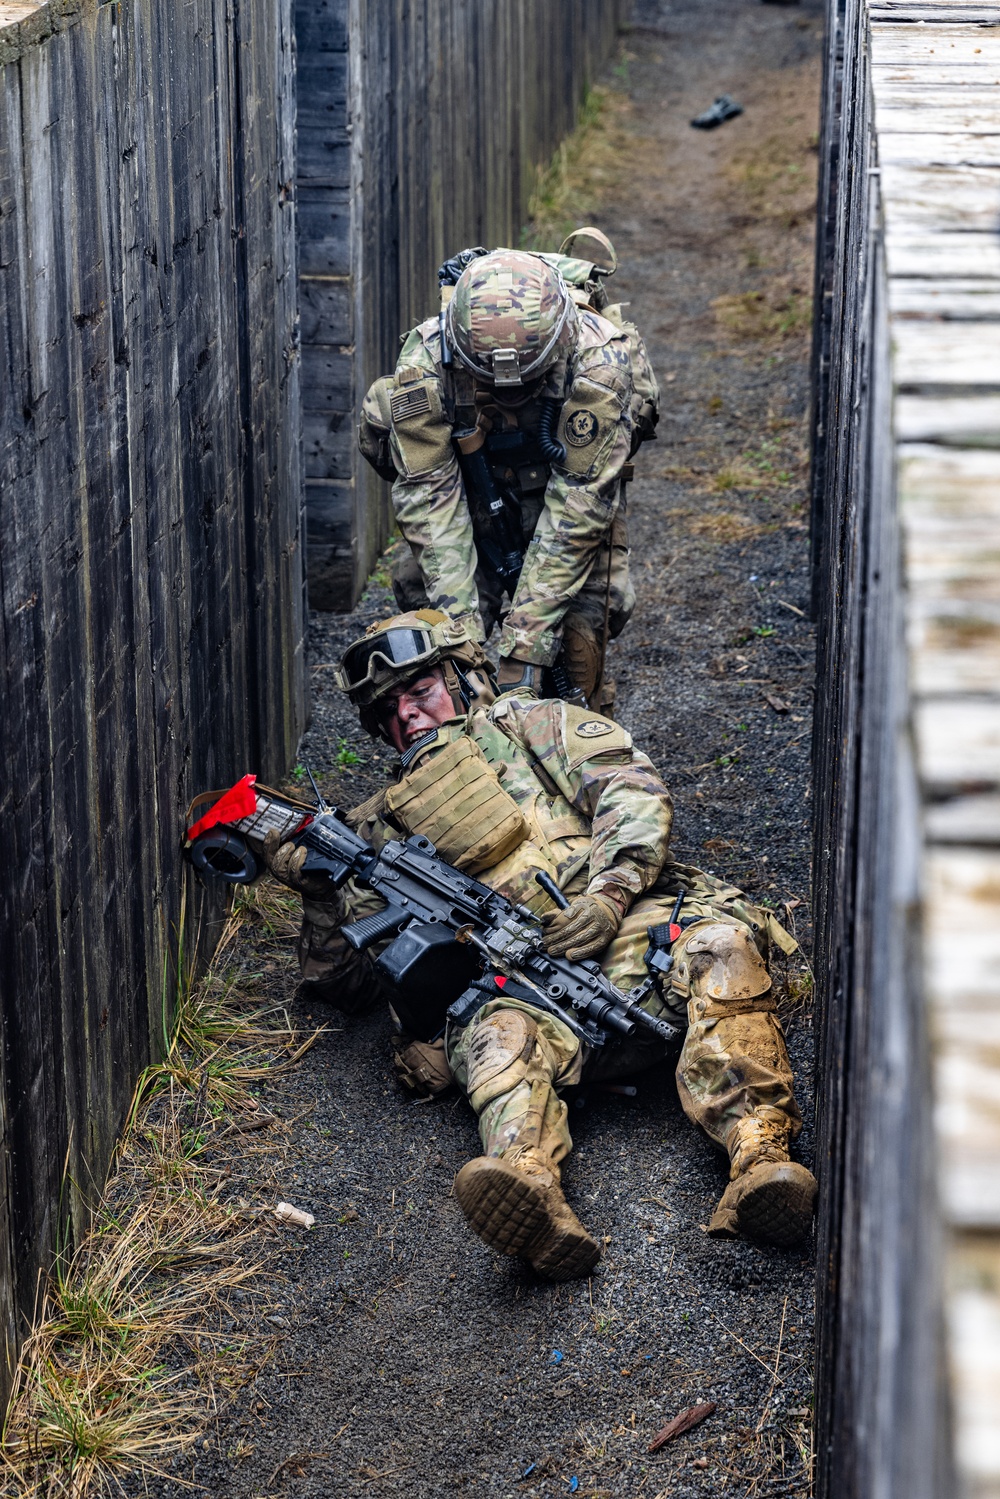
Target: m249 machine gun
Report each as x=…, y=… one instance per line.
x=455, y=943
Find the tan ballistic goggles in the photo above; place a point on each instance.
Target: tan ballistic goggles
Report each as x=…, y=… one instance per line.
x=370, y=662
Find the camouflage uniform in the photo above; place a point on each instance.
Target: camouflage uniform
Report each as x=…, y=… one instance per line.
x=597, y=817
x=573, y=514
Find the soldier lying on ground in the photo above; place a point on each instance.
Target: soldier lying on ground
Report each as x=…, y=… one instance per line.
x=591, y=812
x=529, y=368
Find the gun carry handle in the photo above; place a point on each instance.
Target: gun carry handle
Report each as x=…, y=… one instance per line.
x=361, y=934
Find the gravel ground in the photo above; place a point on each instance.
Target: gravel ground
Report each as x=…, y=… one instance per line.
x=411, y=1359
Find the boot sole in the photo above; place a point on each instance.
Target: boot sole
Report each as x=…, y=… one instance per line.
x=507, y=1210
x=778, y=1210
x=569, y=1256
x=503, y=1206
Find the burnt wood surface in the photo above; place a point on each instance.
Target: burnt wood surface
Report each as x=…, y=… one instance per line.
x=150, y=547
x=881, y=1423
x=420, y=129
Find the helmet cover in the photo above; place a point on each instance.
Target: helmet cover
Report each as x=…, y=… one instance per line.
x=509, y=317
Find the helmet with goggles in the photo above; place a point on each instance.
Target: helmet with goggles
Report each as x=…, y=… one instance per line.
x=511, y=318
x=399, y=650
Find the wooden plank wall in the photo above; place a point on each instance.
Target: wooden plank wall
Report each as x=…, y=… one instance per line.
x=420, y=128
x=150, y=516
x=907, y=537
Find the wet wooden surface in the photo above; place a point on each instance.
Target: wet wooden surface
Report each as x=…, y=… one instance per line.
x=420, y=128
x=150, y=573
x=907, y=530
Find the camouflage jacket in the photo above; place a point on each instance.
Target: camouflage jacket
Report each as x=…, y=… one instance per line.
x=595, y=813
x=576, y=501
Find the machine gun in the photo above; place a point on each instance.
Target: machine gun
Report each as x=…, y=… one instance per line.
x=455, y=942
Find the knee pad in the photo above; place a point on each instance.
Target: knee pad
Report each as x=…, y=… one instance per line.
x=500, y=1052
x=720, y=970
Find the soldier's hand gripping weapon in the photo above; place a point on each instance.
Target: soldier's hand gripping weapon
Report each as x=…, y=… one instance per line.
x=456, y=943
x=496, y=526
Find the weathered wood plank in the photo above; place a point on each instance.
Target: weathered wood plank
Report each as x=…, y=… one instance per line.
x=914, y=252
x=327, y=379
x=958, y=740
x=950, y=509
x=968, y=421
x=964, y=819
x=959, y=198
x=974, y=1322
x=328, y=444
x=951, y=300
x=977, y=74
x=326, y=309
x=962, y=900
x=972, y=113
x=971, y=47
x=324, y=230
x=900, y=143
x=150, y=582
x=323, y=160
x=941, y=354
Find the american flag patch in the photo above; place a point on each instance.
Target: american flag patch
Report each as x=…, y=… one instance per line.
x=411, y=402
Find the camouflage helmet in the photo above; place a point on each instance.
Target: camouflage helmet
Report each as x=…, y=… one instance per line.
x=395, y=651
x=509, y=317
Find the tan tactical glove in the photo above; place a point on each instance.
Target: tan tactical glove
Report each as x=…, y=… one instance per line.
x=285, y=862
x=584, y=929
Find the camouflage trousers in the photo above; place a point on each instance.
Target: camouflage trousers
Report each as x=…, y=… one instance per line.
x=607, y=588
x=733, y=1058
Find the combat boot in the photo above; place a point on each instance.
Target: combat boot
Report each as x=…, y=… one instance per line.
x=769, y=1198
x=515, y=1203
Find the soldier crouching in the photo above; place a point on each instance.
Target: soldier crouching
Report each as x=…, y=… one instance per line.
x=507, y=787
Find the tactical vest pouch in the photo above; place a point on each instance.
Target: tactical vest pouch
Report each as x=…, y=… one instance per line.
x=454, y=798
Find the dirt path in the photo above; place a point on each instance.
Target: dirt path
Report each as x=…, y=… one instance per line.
x=411, y=1360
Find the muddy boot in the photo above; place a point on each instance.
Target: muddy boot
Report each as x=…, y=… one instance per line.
x=515, y=1203
x=581, y=654
x=769, y=1198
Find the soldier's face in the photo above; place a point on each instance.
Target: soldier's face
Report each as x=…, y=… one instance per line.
x=416, y=709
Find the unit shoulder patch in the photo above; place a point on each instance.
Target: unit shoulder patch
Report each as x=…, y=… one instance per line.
x=581, y=428
x=587, y=737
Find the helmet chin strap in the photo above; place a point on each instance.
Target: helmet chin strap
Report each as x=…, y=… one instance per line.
x=458, y=685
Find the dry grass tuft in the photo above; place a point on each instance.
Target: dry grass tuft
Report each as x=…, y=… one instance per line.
x=725, y=526
x=774, y=464
x=775, y=314
x=777, y=178
x=128, y=1353
x=275, y=911
x=586, y=166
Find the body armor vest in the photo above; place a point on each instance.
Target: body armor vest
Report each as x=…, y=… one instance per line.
x=483, y=806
